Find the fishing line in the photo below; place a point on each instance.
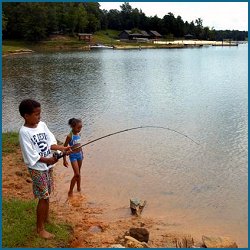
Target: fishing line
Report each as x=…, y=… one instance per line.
x=58, y=156
x=140, y=127
x=208, y=150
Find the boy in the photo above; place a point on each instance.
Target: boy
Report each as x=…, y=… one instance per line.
x=36, y=143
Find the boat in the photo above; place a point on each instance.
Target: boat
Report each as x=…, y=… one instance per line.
x=100, y=46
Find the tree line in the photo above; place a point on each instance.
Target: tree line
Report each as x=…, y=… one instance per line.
x=36, y=21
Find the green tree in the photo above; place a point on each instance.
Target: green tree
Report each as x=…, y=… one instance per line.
x=52, y=16
x=94, y=16
x=144, y=21
x=34, y=25
x=13, y=12
x=126, y=17
x=198, y=28
x=191, y=28
x=114, y=20
x=71, y=17
x=4, y=22
x=205, y=33
x=180, y=27
x=169, y=24
x=82, y=18
x=93, y=23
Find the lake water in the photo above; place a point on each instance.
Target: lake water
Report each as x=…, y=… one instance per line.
x=199, y=92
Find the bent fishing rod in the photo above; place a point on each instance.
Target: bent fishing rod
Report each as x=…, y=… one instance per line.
x=60, y=155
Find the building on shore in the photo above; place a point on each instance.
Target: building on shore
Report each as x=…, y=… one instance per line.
x=139, y=35
x=85, y=37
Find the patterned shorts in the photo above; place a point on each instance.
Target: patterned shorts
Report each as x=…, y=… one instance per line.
x=43, y=183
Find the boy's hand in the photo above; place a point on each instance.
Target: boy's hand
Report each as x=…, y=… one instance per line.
x=68, y=150
x=65, y=164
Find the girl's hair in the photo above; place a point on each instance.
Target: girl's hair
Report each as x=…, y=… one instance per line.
x=73, y=121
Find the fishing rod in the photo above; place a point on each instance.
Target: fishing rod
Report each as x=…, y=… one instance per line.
x=74, y=148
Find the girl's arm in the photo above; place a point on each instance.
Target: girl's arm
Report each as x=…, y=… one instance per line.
x=68, y=139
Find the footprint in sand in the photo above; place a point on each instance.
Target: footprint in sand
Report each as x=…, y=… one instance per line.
x=76, y=200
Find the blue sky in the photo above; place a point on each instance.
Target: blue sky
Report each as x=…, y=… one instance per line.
x=220, y=15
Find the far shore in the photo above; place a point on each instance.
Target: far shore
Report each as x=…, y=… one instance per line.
x=21, y=47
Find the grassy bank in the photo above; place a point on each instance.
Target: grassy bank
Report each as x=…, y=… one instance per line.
x=18, y=227
x=61, y=43
x=10, y=142
x=107, y=37
x=18, y=212
x=11, y=46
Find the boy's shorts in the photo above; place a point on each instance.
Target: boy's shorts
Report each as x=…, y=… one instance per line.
x=76, y=156
x=43, y=183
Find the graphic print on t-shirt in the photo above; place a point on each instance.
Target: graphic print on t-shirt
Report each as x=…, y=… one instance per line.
x=41, y=141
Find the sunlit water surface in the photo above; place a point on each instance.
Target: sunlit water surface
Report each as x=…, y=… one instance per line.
x=201, y=93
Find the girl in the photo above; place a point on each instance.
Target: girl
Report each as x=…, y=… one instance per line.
x=73, y=139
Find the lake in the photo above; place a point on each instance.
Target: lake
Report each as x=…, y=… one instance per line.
x=200, y=93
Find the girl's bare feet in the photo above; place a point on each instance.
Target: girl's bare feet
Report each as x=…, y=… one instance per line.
x=79, y=189
x=70, y=193
x=46, y=235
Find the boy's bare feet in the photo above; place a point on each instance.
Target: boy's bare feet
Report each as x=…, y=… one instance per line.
x=70, y=193
x=79, y=189
x=46, y=235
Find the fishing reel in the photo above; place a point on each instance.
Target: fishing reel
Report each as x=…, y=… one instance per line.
x=58, y=154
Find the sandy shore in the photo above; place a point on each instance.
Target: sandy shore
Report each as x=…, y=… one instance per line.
x=175, y=44
x=89, y=229
x=198, y=42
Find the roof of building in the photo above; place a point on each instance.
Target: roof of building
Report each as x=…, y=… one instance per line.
x=142, y=33
x=154, y=32
x=145, y=33
x=138, y=33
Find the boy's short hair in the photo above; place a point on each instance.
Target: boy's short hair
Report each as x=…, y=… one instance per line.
x=27, y=106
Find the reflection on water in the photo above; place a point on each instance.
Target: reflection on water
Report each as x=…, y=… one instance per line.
x=199, y=92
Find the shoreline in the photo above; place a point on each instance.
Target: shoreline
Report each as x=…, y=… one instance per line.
x=90, y=229
x=76, y=46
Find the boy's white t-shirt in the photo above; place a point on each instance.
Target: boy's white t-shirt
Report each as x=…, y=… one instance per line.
x=36, y=142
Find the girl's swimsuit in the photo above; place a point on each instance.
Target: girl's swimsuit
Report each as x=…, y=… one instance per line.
x=75, y=139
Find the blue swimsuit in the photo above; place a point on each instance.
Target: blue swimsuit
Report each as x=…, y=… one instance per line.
x=75, y=139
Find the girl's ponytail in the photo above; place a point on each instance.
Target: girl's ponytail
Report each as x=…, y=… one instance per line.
x=73, y=121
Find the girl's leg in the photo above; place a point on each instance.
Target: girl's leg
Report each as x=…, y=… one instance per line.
x=41, y=212
x=79, y=180
x=75, y=177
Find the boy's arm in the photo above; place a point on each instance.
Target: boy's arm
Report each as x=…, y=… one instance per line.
x=53, y=141
x=59, y=147
x=49, y=161
x=65, y=163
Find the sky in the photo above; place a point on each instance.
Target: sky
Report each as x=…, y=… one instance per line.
x=220, y=15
